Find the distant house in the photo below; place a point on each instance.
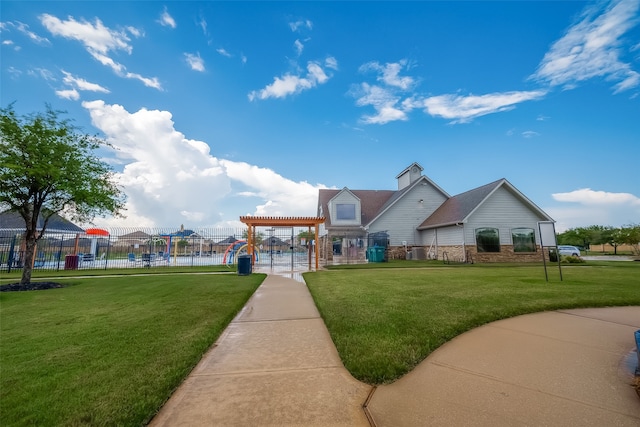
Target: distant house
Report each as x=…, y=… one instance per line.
x=59, y=235
x=12, y=221
x=491, y=223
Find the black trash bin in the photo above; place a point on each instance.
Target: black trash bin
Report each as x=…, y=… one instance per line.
x=244, y=265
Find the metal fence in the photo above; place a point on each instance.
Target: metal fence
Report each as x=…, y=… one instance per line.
x=151, y=247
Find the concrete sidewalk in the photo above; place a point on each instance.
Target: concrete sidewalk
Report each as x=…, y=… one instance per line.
x=559, y=368
x=275, y=365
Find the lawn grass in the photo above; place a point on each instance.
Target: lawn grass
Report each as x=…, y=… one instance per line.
x=108, y=351
x=384, y=321
x=39, y=274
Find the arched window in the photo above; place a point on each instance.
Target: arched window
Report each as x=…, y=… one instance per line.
x=524, y=239
x=488, y=240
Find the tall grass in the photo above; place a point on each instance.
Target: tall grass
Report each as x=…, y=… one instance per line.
x=108, y=351
x=385, y=321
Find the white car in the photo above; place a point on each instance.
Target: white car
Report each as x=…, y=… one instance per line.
x=568, y=250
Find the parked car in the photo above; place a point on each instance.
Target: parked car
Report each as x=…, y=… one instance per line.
x=568, y=250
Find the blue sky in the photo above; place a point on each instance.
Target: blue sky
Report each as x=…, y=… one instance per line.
x=222, y=109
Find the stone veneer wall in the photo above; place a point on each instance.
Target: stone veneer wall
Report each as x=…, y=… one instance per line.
x=456, y=253
x=506, y=254
x=326, y=248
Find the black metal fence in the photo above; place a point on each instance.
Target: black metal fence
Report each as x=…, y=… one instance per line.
x=150, y=247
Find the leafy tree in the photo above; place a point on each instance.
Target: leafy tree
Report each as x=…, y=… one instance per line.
x=630, y=235
x=257, y=238
x=586, y=236
x=308, y=235
x=46, y=167
x=182, y=244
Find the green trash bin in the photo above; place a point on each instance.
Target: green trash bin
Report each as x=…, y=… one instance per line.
x=375, y=254
x=244, y=265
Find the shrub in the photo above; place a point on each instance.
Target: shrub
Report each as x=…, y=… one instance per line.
x=571, y=260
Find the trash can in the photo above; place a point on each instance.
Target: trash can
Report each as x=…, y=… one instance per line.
x=375, y=254
x=553, y=255
x=71, y=262
x=244, y=265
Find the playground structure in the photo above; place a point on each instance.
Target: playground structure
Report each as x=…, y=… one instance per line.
x=234, y=249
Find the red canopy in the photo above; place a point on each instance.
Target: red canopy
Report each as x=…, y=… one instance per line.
x=96, y=232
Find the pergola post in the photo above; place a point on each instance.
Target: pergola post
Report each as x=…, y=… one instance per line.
x=268, y=221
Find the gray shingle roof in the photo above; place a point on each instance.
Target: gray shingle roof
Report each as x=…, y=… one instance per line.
x=371, y=202
x=457, y=208
x=13, y=220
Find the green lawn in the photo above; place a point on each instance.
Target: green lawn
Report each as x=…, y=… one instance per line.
x=384, y=321
x=39, y=274
x=109, y=351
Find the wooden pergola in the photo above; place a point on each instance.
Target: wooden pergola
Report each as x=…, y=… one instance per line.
x=270, y=221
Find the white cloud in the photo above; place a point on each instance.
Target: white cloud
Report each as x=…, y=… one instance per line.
x=203, y=24
x=331, y=62
x=43, y=73
x=387, y=97
x=530, y=133
x=387, y=105
x=290, y=84
x=298, y=47
x=592, y=48
x=82, y=84
x=462, y=109
x=195, y=61
x=152, y=82
x=297, y=26
x=68, y=94
x=99, y=41
x=588, y=196
x=390, y=73
x=223, y=52
x=170, y=179
x=24, y=29
x=96, y=37
x=281, y=196
x=167, y=20
x=589, y=207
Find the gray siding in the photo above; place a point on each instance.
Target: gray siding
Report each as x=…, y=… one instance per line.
x=450, y=236
x=345, y=197
x=504, y=211
x=404, y=217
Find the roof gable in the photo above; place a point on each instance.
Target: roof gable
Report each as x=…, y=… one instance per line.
x=423, y=180
x=459, y=208
x=371, y=201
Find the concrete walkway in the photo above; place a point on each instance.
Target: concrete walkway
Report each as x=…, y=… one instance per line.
x=559, y=368
x=275, y=365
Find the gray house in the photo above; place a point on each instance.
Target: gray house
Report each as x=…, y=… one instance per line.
x=494, y=222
